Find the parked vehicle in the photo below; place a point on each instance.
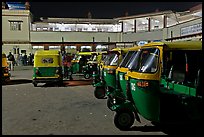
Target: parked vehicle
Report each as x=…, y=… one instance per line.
x=108, y=82
x=5, y=69
x=47, y=67
x=164, y=82
x=80, y=59
x=92, y=64
x=119, y=95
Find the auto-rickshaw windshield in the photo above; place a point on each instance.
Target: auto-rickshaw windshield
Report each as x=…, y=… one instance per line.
x=109, y=58
x=93, y=57
x=114, y=61
x=145, y=61
x=76, y=57
x=127, y=59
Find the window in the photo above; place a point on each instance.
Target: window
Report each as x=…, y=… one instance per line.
x=15, y=25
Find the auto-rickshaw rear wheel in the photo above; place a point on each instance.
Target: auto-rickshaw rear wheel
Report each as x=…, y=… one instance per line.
x=124, y=119
x=99, y=92
x=87, y=76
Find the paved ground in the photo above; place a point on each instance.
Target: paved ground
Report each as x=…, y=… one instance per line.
x=68, y=110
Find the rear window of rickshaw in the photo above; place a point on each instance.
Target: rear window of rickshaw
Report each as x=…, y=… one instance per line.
x=47, y=60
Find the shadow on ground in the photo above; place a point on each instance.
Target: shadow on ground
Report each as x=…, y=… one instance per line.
x=67, y=83
x=191, y=129
x=17, y=81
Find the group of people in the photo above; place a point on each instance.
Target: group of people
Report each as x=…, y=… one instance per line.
x=20, y=60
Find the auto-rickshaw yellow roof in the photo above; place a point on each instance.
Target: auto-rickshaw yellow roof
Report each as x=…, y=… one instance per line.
x=84, y=53
x=179, y=45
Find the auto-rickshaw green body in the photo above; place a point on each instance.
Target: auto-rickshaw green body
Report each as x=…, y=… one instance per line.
x=5, y=69
x=164, y=82
x=47, y=67
x=122, y=70
x=98, y=74
x=119, y=94
x=77, y=63
x=92, y=64
x=108, y=83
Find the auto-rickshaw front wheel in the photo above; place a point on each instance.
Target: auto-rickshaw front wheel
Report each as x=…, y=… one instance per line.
x=99, y=92
x=124, y=119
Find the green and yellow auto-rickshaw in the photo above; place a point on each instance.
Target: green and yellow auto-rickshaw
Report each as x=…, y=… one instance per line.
x=119, y=95
x=5, y=69
x=80, y=59
x=106, y=86
x=165, y=84
x=92, y=64
x=47, y=67
x=97, y=75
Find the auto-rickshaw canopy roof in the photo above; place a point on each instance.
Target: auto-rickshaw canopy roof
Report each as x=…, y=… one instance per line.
x=177, y=45
x=84, y=53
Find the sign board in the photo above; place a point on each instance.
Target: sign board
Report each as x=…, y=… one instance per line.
x=193, y=29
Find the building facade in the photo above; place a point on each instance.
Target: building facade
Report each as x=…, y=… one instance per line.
x=21, y=35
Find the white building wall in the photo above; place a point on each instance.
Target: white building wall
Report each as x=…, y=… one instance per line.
x=175, y=31
x=140, y=36
x=15, y=15
x=74, y=36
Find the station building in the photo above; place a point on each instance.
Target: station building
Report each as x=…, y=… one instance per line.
x=21, y=34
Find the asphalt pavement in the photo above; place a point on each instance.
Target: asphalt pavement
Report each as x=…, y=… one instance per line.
x=65, y=110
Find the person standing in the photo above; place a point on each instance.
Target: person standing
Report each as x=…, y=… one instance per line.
x=11, y=60
x=25, y=58
x=20, y=60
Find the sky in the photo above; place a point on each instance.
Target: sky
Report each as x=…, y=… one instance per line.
x=103, y=9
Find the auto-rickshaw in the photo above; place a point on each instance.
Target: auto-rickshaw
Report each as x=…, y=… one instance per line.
x=47, y=67
x=92, y=64
x=105, y=87
x=97, y=75
x=5, y=69
x=165, y=84
x=80, y=59
x=119, y=95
